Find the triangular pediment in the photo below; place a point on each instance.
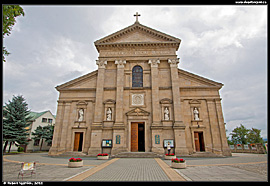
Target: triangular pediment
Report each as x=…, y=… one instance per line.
x=191, y=80
x=137, y=112
x=137, y=33
x=137, y=36
x=84, y=82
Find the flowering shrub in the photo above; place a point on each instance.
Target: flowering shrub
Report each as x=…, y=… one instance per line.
x=171, y=154
x=75, y=159
x=176, y=160
x=104, y=154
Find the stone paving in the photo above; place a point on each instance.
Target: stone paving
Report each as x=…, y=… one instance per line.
x=220, y=173
x=239, y=167
x=131, y=169
x=44, y=172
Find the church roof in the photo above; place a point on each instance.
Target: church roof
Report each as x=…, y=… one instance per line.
x=137, y=35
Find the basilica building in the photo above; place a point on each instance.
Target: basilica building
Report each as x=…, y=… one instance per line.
x=138, y=100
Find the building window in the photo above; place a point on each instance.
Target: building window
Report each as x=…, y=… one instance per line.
x=44, y=120
x=137, y=76
x=50, y=120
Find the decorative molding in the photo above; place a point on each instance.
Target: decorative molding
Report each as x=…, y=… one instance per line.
x=137, y=112
x=137, y=99
x=154, y=62
x=194, y=101
x=173, y=62
x=137, y=88
x=166, y=101
x=81, y=103
x=101, y=63
x=120, y=63
x=109, y=101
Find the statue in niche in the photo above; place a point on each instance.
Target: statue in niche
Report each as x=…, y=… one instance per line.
x=81, y=113
x=196, y=114
x=109, y=114
x=166, y=114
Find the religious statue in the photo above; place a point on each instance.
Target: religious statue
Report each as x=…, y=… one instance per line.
x=196, y=114
x=166, y=114
x=109, y=114
x=81, y=115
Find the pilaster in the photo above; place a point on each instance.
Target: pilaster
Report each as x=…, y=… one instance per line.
x=99, y=94
x=96, y=128
x=64, y=131
x=176, y=92
x=215, y=132
x=179, y=126
x=118, y=127
x=119, y=92
x=224, y=143
x=57, y=129
x=155, y=92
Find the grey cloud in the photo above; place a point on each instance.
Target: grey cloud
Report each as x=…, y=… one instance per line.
x=51, y=45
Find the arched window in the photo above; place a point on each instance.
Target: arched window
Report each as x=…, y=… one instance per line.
x=137, y=76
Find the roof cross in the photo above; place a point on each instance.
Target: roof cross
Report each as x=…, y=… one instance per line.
x=137, y=15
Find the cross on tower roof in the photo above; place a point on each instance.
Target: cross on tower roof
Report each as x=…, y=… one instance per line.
x=137, y=15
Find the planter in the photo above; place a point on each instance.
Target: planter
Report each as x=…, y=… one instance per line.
x=102, y=157
x=75, y=164
x=178, y=165
x=170, y=157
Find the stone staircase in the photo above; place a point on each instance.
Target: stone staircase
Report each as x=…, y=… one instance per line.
x=72, y=154
x=206, y=155
x=137, y=155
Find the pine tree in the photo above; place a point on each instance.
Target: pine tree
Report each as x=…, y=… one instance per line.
x=42, y=133
x=49, y=133
x=16, y=119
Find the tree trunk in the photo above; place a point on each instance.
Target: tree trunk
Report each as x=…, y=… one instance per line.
x=41, y=144
x=10, y=143
x=5, y=146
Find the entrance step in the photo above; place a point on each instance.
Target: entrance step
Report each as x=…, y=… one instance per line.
x=72, y=154
x=137, y=155
x=207, y=155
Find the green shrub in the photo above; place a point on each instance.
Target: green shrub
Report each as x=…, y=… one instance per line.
x=20, y=149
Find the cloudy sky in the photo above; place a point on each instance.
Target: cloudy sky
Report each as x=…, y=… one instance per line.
x=51, y=45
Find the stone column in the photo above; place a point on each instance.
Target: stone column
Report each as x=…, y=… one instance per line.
x=119, y=93
x=96, y=128
x=156, y=120
x=178, y=126
x=98, y=117
x=65, y=128
x=215, y=132
x=176, y=92
x=156, y=113
x=119, y=144
x=57, y=129
x=224, y=143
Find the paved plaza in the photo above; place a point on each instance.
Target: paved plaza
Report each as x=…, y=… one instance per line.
x=239, y=167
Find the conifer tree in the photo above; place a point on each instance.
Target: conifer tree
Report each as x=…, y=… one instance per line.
x=42, y=133
x=16, y=119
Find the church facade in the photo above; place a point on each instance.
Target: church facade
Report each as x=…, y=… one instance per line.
x=139, y=100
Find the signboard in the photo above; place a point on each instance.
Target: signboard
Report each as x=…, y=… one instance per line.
x=106, y=143
x=118, y=139
x=157, y=139
x=166, y=141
